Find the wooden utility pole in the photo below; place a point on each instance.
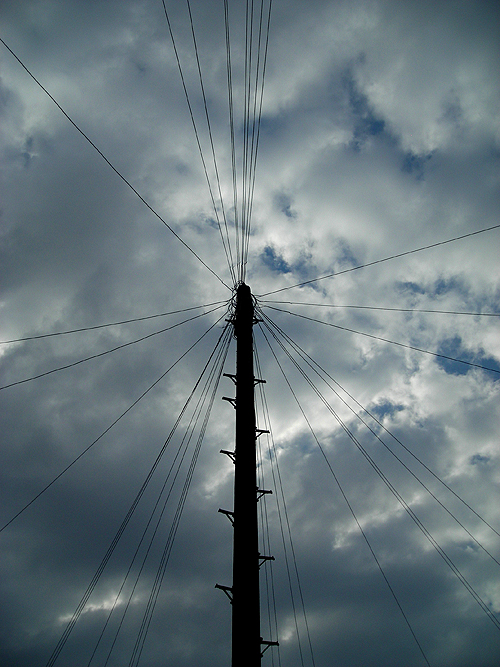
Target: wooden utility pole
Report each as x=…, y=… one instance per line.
x=246, y=604
x=244, y=593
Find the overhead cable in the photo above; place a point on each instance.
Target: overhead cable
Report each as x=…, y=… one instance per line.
x=306, y=358
x=379, y=261
x=384, y=308
x=109, y=427
x=229, y=254
x=118, y=173
x=305, y=355
x=110, y=324
x=175, y=465
x=101, y=354
x=153, y=598
x=76, y=615
x=379, y=565
x=278, y=485
x=256, y=135
x=386, y=340
x=231, y=129
x=484, y=606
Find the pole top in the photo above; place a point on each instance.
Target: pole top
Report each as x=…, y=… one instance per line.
x=244, y=310
x=243, y=291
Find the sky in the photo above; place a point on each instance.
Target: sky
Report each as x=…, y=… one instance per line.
x=379, y=135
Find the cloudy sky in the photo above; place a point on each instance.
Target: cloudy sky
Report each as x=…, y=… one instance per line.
x=380, y=134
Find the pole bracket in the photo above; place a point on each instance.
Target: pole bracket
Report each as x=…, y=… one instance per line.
x=231, y=455
x=260, y=431
x=263, y=559
x=230, y=400
x=228, y=590
x=262, y=492
x=267, y=644
x=230, y=375
x=229, y=514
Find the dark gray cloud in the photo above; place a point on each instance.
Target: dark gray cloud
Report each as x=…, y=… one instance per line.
x=379, y=134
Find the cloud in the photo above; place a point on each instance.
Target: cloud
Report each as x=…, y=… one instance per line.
x=379, y=135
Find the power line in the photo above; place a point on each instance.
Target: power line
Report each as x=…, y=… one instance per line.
x=303, y=355
x=384, y=308
x=279, y=485
x=264, y=66
x=231, y=127
x=393, y=593
x=214, y=377
x=246, y=103
x=484, y=606
x=110, y=324
x=109, y=427
x=118, y=173
x=386, y=340
x=379, y=261
x=175, y=464
x=254, y=147
x=81, y=605
x=102, y=354
x=229, y=256
x=195, y=129
x=307, y=357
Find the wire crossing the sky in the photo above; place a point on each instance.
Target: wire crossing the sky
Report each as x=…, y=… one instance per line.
x=243, y=170
x=76, y=615
x=130, y=407
x=283, y=512
x=227, y=249
x=383, y=308
x=235, y=229
x=391, y=589
x=110, y=324
x=253, y=98
x=380, y=261
x=460, y=576
x=321, y=373
x=386, y=340
x=110, y=164
x=102, y=354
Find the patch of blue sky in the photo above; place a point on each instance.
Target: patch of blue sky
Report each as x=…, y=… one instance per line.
x=410, y=287
x=490, y=362
x=445, y=285
x=270, y=126
x=284, y=203
x=305, y=269
x=274, y=261
x=342, y=258
x=387, y=408
x=438, y=288
x=212, y=222
x=453, y=347
x=346, y=257
x=366, y=123
x=479, y=459
x=453, y=285
x=415, y=164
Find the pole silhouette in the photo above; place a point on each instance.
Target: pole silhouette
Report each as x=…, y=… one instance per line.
x=244, y=593
x=246, y=604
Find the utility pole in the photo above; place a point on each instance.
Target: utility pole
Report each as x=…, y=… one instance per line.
x=244, y=593
x=246, y=603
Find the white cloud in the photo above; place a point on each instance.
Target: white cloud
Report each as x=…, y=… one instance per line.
x=379, y=135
